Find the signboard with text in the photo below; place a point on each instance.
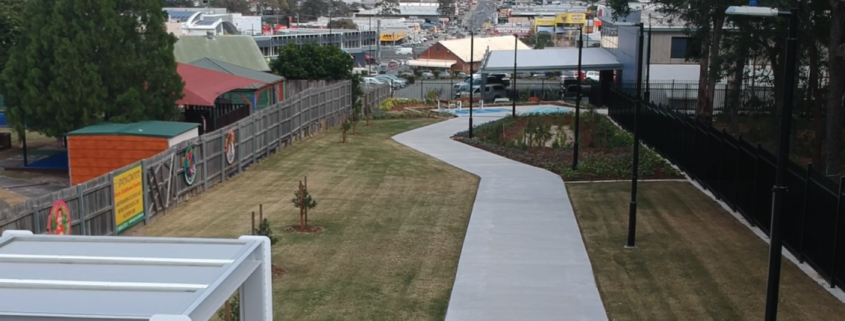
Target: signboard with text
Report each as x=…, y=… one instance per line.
x=128, y=198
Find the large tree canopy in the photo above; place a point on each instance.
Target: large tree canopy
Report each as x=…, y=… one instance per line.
x=10, y=26
x=312, y=61
x=80, y=63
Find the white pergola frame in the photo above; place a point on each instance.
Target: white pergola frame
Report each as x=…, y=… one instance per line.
x=33, y=268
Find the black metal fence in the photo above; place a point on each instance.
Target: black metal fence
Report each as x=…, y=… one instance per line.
x=742, y=175
x=682, y=96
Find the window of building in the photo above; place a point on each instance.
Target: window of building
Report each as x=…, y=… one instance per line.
x=679, y=47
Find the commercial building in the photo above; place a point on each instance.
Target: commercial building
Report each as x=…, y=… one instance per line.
x=351, y=41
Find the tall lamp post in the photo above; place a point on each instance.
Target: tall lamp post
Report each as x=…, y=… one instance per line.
x=632, y=207
x=513, y=77
x=779, y=190
x=578, y=99
x=471, y=53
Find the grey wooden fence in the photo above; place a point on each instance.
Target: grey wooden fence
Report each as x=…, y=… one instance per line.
x=265, y=131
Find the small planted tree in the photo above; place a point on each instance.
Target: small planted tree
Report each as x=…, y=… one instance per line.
x=264, y=229
x=304, y=202
x=347, y=125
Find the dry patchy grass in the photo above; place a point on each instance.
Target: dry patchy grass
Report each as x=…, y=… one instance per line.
x=395, y=221
x=10, y=197
x=694, y=260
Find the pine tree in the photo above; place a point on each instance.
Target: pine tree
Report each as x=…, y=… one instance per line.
x=265, y=229
x=80, y=63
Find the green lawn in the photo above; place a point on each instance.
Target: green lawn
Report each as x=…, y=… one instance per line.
x=694, y=261
x=395, y=220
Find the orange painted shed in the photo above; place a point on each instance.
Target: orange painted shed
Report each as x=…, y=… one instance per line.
x=96, y=150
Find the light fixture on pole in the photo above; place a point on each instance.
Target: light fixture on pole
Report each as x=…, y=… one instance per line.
x=471, y=77
x=632, y=207
x=779, y=190
x=513, y=77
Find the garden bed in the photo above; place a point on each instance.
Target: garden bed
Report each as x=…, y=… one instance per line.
x=547, y=140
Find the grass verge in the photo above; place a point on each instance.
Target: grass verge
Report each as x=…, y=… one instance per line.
x=694, y=261
x=395, y=220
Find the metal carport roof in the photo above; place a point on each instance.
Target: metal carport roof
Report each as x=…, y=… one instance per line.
x=550, y=60
x=62, y=277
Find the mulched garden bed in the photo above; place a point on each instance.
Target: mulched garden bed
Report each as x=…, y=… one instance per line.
x=309, y=229
x=604, y=150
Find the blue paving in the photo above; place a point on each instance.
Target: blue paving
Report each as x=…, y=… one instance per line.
x=550, y=110
x=481, y=111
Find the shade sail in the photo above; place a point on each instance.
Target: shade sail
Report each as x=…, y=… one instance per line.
x=438, y=63
x=545, y=60
x=203, y=86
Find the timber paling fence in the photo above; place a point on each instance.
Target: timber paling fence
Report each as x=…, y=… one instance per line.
x=160, y=183
x=742, y=175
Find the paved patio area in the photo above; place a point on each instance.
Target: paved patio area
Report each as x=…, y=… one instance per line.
x=523, y=257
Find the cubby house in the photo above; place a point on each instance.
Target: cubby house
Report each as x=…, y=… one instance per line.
x=96, y=150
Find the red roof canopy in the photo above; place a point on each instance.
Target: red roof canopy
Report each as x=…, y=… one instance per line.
x=203, y=86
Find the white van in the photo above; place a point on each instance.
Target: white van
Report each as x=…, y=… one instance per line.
x=404, y=51
x=361, y=71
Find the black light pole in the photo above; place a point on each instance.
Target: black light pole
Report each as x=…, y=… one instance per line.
x=647, y=94
x=513, y=78
x=471, y=47
x=578, y=100
x=779, y=190
x=632, y=208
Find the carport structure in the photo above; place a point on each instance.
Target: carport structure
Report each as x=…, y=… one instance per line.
x=69, y=277
x=550, y=60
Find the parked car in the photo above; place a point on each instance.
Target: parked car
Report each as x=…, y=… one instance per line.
x=406, y=73
x=427, y=75
x=462, y=75
x=491, y=92
x=372, y=81
x=593, y=75
x=567, y=75
x=396, y=81
x=392, y=64
x=404, y=51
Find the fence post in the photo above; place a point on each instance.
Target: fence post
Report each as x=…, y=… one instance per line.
x=240, y=144
x=753, y=220
x=223, y=162
x=719, y=175
x=145, y=186
x=736, y=166
x=254, y=142
x=111, y=213
x=804, y=212
x=203, y=144
x=36, y=222
x=80, y=205
x=836, y=232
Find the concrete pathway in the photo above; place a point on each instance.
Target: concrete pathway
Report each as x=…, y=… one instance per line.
x=523, y=257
